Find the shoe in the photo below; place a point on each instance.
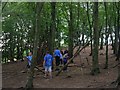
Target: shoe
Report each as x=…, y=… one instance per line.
x=23, y=71
x=45, y=77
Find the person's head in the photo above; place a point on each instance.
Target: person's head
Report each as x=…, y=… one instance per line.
x=57, y=48
x=47, y=52
x=30, y=53
x=61, y=51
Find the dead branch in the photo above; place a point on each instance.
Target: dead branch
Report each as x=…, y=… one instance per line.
x=116, y=65
x=4, y=5
x=69, y=61
x=39, y=70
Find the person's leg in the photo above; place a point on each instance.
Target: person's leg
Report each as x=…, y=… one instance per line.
x=60, y=62
x=56, y=60
x=65, y=67
x=46, y=69
x=57, y=63
x=28, y=66
x=50, y=72
x=52, y=66
x=64, y=64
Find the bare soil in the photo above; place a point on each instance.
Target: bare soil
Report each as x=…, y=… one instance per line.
x=75, y=77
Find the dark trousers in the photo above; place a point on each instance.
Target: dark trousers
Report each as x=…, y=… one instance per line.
x=57, y=58
x=61, y=61
x=28, y=66
x=65, y=67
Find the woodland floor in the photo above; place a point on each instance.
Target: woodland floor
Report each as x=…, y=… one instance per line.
x=80, y=77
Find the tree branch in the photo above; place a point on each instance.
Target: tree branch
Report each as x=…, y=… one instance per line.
x=77, y=53
x=4, y=5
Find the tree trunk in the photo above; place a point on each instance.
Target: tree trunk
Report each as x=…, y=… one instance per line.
x=83, y=41
x=29, y=84
x=106, y=39
x=90, y=26
x=118, y=58
x=70, y=34
x=111, y=38
x=53, y=27
x=116, y=35
x=101, y=43
x=118, y=54
x=95, y=65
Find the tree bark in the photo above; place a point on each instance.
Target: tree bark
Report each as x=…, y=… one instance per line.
x=70, y=34
x=106, y=38
x=53, y=27
x=116, y=34
x=29, y=84
x=90, y=26
x=118, y=54
x=101, y=43
x=95, y=65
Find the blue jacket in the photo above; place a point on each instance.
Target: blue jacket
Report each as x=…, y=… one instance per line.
x=48, y=60
x=57, y=53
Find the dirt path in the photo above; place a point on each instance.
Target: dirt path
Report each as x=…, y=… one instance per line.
x=75, y=77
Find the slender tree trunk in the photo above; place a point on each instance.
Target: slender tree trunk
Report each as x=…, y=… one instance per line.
x=58, y=32
x=111, y=37
x=12, y=47
x=90, y=26
x=70, y=42
x=53, y=27
x=18, y=51
x=118, y=28
x=95, y=64
x=83, y=41
x=118, y=59
x=101, y=43
x=116, y=35
x=29, y=84
x=106, y=39
x=118, y=54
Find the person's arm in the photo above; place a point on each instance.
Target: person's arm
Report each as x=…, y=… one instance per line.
x=54, y=53
x=44, y=61
x=27, y=58
x=53, y=61
x=60, y=53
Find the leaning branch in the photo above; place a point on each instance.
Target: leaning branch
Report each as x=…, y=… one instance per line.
x=69, y=61
x=116, y=65
x=37, y=67
x=4, y=5
x=39, y=70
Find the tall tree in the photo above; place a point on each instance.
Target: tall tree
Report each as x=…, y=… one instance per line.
x=95, y=65
x=29, y=84
x=107, y=34
x=90, y=26
x=118, y=54
x=116, y=31
x=70, y=33
x=53, y=27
